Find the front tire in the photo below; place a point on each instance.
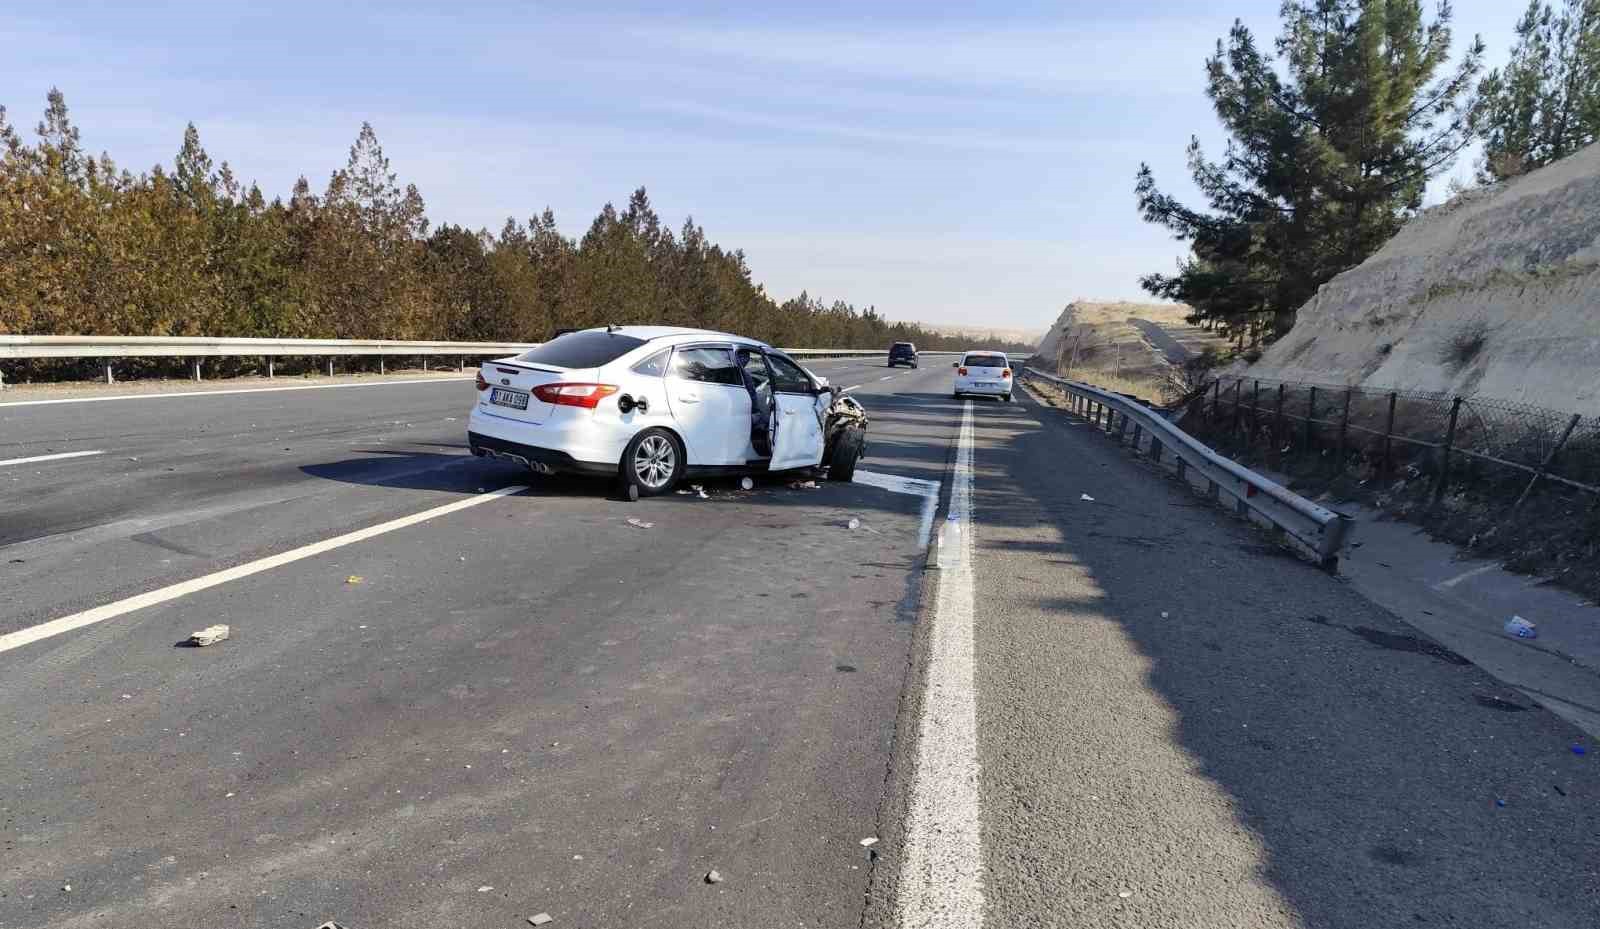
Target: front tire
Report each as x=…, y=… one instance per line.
x=653, y=462
x=846, y=452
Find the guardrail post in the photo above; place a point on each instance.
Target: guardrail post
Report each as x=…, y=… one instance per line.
x=1138, y=436
x=1183, y=469
x=1237, y=386
x=1122, y=433
x=109, y=379
x=1444, y=461
x=1155, y=449
x=269, y=367
x=382, y=368
x=1311, y=418
x=1216, y=400
x=197, y=370
x=461, y=364
x=1545, y=465
x=1388, y=430
x=330, y=366
x=424, y=363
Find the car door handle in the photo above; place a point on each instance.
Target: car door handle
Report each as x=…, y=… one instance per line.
x=689, y=398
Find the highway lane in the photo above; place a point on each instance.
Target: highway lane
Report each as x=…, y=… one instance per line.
x=530, y=694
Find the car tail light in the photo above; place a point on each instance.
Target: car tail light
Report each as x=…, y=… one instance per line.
x=1005, y=374
x=587, y=396
x=962, y=371
x=482, y=384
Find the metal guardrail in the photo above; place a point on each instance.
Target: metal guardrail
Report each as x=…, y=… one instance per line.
x=107, y=348
x=1318, y=529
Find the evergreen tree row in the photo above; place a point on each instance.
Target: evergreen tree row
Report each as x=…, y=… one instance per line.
x=89, y=249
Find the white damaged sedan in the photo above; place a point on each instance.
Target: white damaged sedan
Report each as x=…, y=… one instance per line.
x=654, y=404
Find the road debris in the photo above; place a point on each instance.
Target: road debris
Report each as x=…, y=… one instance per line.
x=354, y=579
x=853, y=523
x=330, y=924
x=210, y=635
x=700, y=491
x=1125, y=894
x=1085, y=498
x=637, y=523
x=539, y=919
x=67, y=888
x=1164, y=614
x=869, y=841
x=485, y=889
x=746, y=484
x=1520, y=628
x=712, y=877
x=802, y=485
x=1579, y=750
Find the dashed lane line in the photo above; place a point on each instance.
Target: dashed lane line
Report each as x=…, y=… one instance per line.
x=59, y=456
x=224, y=393
x=99, y=614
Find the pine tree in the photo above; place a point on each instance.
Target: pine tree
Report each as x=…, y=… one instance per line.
x=1545, y=103
x=1329, y=151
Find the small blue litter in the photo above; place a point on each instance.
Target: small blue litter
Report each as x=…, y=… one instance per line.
x=1499, y=803
x=1579, y=750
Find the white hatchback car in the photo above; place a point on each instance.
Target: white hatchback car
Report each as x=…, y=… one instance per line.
x=653, y=404
x=987, y=373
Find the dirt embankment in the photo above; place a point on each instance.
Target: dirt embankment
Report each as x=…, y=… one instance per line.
x=1123, y=346
x=1496, y=294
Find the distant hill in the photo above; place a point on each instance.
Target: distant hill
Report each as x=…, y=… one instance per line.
x=980, y=334
x=1122, y=345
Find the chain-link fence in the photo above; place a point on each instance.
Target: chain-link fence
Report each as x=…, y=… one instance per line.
x=1379, y=433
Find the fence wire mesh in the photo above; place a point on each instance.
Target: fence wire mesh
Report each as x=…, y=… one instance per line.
x=1382, y=430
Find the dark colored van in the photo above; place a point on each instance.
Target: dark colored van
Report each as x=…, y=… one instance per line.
x=902, y=353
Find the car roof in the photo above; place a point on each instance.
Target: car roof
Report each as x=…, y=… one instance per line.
x=678, y=334
x=985, y=351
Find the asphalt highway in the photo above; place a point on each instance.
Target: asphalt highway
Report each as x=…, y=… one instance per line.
x=457, y=695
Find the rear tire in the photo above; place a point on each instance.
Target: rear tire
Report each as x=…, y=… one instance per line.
x=846, y=452
x=956, y=395
x=653, y=462
x=1006, y=398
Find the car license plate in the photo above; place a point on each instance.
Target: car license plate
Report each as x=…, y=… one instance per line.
x=516, y=399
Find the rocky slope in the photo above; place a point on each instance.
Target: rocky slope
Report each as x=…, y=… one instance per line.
x=1496, y=293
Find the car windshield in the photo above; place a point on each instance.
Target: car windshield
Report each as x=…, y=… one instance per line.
x=986, y=361
x=588, y=349
x=902, y=347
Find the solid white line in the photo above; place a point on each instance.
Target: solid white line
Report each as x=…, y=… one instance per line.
x=941, y=875
x=56, y=457
x=848, y=389
x=239, y=390
x=927, y=490
x=99, y=614
x=887, y=377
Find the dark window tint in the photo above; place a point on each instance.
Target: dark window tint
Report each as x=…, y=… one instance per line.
x=654, y=366
x=986, y=361
x=756, y=368
x=712, y=365
x=791, y=380
x=588, y=349
x=903, y=347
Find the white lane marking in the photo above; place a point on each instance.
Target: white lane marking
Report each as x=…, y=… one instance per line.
x=895, y=483
x=99, y=614
x=848, y=389
x=1442, y=585
x=887, y=377
x=56, y=457
x=941, y=877
x=240, y=390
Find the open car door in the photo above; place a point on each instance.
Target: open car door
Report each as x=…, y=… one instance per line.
x=801, y=410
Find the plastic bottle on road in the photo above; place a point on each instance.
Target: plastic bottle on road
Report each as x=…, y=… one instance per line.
x=1520, y=628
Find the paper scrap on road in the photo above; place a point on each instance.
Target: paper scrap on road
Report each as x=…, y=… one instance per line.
x=539, y=919
x=637, y=523
x=1085, y=498
x=869, y=842
x=354, y=579
x=210, y=635
x=712, y=877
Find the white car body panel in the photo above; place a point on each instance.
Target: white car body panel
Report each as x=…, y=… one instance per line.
x=987, y=379
x=713, y=420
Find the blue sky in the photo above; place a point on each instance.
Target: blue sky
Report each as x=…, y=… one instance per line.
x=949, y=163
